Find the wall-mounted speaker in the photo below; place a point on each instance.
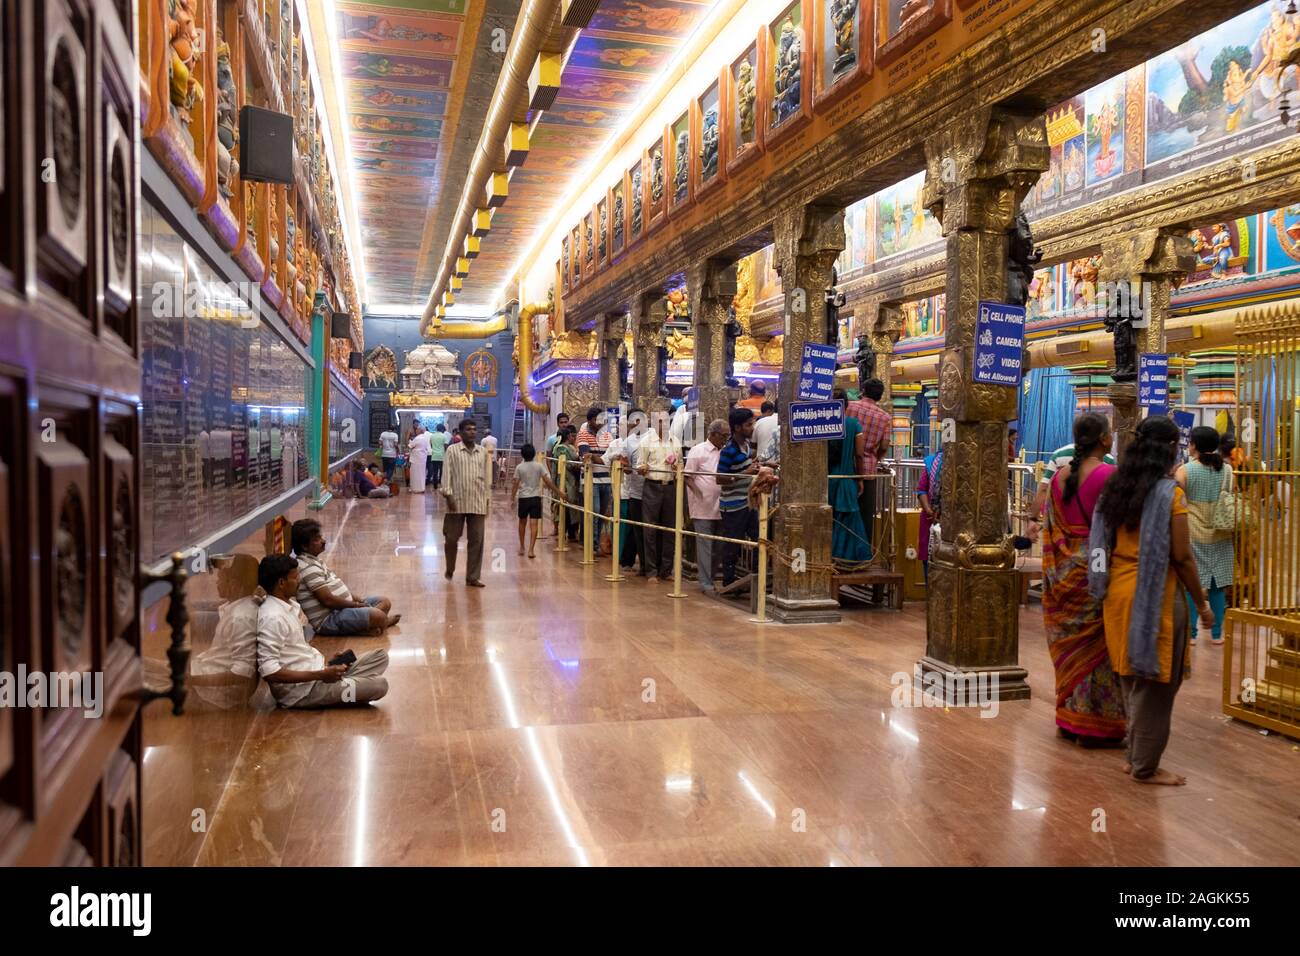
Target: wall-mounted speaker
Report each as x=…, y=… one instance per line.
x=340, y=325
x=265, y=146
x=356, y=360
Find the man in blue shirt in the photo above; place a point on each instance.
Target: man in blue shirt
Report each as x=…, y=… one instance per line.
x=366, y=487
x=736, y=470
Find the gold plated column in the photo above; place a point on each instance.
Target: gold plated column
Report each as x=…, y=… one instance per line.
x=978, y=170
x=649, y=312
x=884, y=325
x=711, y=285
x=808, y=241
x=1153, y=262
x=609, y=336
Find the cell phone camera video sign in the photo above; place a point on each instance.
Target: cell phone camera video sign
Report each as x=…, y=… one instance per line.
x=999, y=344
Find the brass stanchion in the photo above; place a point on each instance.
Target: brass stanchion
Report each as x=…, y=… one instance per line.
x=587, y=554
x=761, y=584
x=616, y=492
x=562, y=481
x=677, y=531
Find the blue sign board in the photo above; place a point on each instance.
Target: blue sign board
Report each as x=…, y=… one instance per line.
x=816, y=421
x=999, y=344
x=1153, y=381
x=1185, y=421
x=613, y=419
x=817, y=372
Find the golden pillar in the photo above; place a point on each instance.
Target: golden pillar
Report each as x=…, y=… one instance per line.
x=609, y=337
x=883, y=322
x=1142, y=269
x=808, y=241
x=978, y=170
x=649, y=313
x=711, y=286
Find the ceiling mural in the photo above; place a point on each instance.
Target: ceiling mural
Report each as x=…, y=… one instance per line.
x=627, y=45
x=407, y=67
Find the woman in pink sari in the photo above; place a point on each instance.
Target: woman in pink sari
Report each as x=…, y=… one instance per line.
x=1089, y=704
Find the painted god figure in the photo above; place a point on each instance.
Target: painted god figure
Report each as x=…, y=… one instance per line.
x=604, y=231
x=709, y=145
x=844, y=14
x=657, y=176
x=591, y=248
x=227, y=121
x=681, y=167
x=746, y=97
x=618, y=220
x=186, y=91
x=787, y=86
x=1107, y=120
x=636, y=201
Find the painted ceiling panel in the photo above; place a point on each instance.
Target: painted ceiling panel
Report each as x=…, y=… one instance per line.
x=627, y=45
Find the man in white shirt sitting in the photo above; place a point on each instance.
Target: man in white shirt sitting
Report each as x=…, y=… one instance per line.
x=295, y=671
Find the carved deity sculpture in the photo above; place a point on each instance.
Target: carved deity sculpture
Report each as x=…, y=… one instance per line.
x=657, y=176
x=591, y=248
x=865, y=359
x=731, y=333
x=1022, y=257
x=746, y=96
x=604, y=231
x=787, y=89
x=681, y=168
x=636, y=201
x=679, y=307
x=618, y=220
x=227, y=120
x=709, y=145
x=1126, y=356
x=680, y=345
x=844, y=17
x=185, y=90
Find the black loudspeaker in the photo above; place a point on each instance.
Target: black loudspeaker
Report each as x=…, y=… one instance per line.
x=340, y=325
x=356, y=360
x=265, y=146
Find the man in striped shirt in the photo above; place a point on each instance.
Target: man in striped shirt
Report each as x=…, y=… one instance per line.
x=466, y=484
x=1059, y=459
x=736, y=470
x=331, y=609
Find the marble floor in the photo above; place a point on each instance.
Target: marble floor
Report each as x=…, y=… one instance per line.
x=555, y=718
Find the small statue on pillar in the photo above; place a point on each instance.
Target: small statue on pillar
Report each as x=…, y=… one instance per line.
x=624, y=378
x=662, y=354
x=731, y=333
x=834, y=302
x=865, y=359
x=1121, y=328
x=1021, y=259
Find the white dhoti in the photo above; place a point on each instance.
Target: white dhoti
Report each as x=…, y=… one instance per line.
x=419, y=463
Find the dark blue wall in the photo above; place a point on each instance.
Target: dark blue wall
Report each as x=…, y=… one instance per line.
x=402, y=335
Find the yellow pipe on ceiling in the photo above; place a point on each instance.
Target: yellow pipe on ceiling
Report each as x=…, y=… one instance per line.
x=1184, y=333
x=462, y=330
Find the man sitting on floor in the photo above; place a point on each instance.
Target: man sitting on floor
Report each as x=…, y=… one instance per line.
x=369, y=484
x=294, y=670
x=331, y=608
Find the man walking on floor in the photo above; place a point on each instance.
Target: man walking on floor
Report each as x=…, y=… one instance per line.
x=466, y=484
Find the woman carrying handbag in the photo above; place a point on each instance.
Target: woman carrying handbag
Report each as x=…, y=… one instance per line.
x=1207, y=481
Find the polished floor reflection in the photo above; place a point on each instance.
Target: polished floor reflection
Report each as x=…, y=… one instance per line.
x=554, y=718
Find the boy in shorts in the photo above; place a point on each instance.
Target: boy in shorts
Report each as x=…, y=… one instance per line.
x=530, y=476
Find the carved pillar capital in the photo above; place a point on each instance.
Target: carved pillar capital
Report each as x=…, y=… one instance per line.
x=711, y=287
x=980, y=167
x=649, y=313
x=609, y=336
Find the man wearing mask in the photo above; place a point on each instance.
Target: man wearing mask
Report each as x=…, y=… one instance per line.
x=466, y=484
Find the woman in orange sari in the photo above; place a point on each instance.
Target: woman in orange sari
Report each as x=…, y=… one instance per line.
x=1089, y=701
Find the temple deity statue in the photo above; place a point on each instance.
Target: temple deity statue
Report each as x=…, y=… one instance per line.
x=604, y=230
x=746, y=96
x=844, y=17
x=1126, y=359
x=732, y=333
x=681, y=167
x=636, y=201
x=656, y=176
x=787, y=88
x=709, y=145
x=1022, y=257
x=227, y=120
x=185, y=90
x=591, y=248
x=865, y=360
x=618, y=220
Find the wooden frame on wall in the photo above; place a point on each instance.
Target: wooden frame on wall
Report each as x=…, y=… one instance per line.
x=711, y=100
x=829, y=85
x=678, y=178
x=741, y=149
x=656, y=209
x=784, y=116
x=565, y=279
x=634, y=188
x=890, y=47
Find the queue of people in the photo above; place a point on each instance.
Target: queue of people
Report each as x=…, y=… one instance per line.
x=1134, y=554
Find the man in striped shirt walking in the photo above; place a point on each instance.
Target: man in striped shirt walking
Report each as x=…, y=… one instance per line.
x=466, y=484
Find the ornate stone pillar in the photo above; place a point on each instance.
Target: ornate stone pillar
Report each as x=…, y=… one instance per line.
x=649, y=313
x=1153, y=262
x=711, y=286
x=884, y=329
x=978, y=170
x=609, y=336
x=808, y=241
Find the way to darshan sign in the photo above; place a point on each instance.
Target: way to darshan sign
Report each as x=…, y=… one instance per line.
x=999, y=344
x=816, y=421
